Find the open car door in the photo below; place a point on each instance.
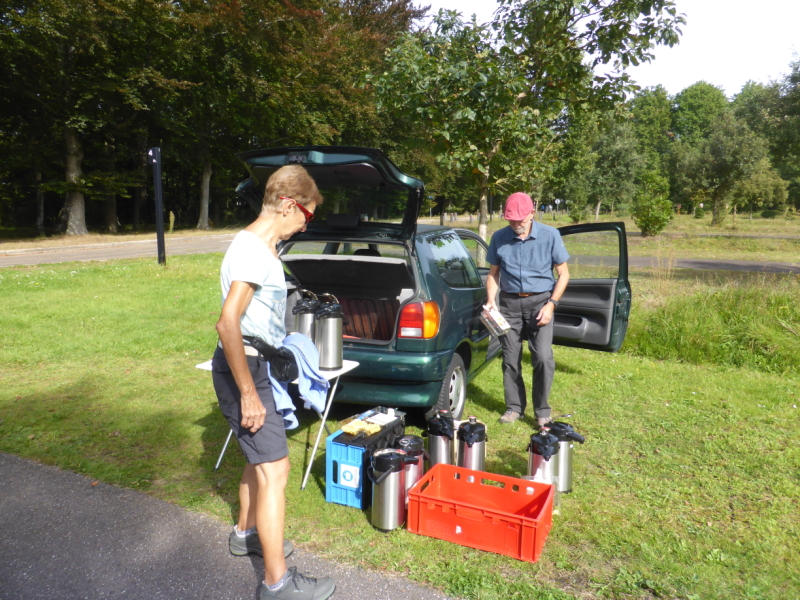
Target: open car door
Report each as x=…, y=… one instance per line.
x=593, y=312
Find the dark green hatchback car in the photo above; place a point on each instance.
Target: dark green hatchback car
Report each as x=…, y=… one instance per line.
x=412, y=294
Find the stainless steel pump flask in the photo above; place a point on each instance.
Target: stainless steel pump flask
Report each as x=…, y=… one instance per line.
x=472, y=445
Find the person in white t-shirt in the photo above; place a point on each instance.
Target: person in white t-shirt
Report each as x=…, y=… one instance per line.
x=254, y=304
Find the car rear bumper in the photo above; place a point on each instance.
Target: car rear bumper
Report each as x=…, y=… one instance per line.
x=419, y=395
x=392, y=378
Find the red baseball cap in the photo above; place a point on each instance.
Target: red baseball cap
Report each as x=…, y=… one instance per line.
x=518, y=206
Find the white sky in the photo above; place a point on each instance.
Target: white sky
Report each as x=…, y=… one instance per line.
x=724, y=42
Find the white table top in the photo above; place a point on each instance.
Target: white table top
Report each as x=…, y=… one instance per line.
x=347, y=365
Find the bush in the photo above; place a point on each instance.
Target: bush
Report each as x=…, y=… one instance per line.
x=770, y=213
x=699, y=213
x=756, y=327
x=579, y=215
x=652, y=209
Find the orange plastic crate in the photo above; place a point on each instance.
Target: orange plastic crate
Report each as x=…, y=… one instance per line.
x=481, y=510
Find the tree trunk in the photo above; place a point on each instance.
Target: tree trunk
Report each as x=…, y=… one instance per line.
x=205, y=186
x=111, y=198
x=597, y=211
x=75, y=206
x=734, y=217
x=39, y=205
x=140, y=192
x=483, y=220
x=751, y=211
x=717, y=211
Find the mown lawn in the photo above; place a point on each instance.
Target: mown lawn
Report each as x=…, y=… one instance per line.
x=687, y=486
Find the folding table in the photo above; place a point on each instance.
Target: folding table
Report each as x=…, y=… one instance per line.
x=331, y=376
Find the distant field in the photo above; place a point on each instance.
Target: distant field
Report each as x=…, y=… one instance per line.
x=686, y=237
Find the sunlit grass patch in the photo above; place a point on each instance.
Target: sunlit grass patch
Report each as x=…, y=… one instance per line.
x=686, y=487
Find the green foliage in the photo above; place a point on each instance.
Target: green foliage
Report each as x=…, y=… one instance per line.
x=618, y=162
x=699, y=213
x=763, y=188
x=568, y=43
x=770, y=213
x=651, y=110
x=464, y=98
x=696, y=109
x=715, y=166
x=579, y=213
x=652, y=209
x=755, y=327
x=203, y=80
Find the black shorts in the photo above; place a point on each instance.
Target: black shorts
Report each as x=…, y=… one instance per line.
x=268, y=444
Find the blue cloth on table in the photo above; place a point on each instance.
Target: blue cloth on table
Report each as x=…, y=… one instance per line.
x=312, y=385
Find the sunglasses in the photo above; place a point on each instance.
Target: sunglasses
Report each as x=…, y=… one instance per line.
x=306, y=213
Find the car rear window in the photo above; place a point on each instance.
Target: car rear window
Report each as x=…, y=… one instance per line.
x=347, y=249
x=452, y=260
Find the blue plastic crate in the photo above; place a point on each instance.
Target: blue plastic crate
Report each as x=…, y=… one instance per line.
x=346, y=480
x=347, y=458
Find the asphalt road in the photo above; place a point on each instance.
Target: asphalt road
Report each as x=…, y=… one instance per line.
x=63, y=538
x=220, y=243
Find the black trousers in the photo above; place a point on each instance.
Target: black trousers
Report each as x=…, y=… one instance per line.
x=521, y=315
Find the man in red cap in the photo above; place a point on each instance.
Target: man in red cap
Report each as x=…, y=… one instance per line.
x=522, y=258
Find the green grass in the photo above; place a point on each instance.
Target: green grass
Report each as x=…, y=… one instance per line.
x=686, y=487
x=686, y=237
x=753, y=326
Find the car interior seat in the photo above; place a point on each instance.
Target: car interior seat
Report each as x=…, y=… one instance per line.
x=366, y=252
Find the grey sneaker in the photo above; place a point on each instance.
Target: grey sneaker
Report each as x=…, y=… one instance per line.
x=508, y=417
x=250, y=544
x=300, y=587
x=544, y=421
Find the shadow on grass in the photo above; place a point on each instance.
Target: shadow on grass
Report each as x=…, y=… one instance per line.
x=225, y=481
x=492, y=403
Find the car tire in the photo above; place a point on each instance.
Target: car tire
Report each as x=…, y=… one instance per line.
x=453, y=395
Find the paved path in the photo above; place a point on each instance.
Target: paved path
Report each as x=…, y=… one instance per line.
x=115, y=250
x=220, y=243
x=61, y=538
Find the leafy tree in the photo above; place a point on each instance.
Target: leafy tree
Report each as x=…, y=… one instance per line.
x=571, y=177
x=615, y=169
x=74, y=62
x=651, y=111
x=786, y=150
x=729, y=156
x=764, y=188
x=568, y=44
x=773, y=112
x=696, y=109
x=652, y=209
x=464, y=98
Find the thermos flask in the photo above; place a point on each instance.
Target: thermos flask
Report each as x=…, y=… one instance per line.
x=440, y=439
x=328, y=334
x=387, y=474
x=472, y=445
x=305, y=312
x=414, y=448
x=566, y=436
x=542, y=457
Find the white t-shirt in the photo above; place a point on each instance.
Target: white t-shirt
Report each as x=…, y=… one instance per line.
x=249, y=259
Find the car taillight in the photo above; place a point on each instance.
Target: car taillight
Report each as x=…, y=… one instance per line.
x=419, y=320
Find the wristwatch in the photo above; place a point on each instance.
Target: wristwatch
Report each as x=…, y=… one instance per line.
x=555, y=302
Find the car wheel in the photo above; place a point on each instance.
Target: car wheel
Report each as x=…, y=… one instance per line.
x=453, y=395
